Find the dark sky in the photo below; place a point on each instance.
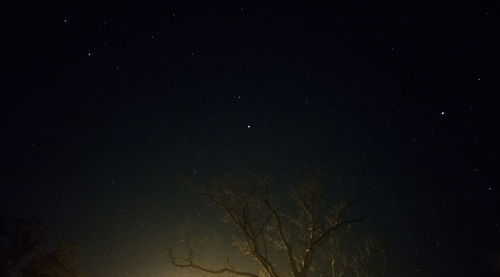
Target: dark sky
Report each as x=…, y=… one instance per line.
x=105, y=108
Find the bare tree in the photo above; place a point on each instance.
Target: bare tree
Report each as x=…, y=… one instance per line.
x=22, y=253
x=266, y=233
x=358, y=257
x=19, y=238
x=60, y=262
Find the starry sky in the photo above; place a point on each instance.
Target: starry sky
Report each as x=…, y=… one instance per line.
x=106, y=108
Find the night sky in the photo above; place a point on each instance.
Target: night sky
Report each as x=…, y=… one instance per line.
x=106, y=109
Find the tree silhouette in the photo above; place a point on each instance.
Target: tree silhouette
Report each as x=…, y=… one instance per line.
x=358, y=257
x=21, y=254
x=60, y=262
x=266, y=234
x=19, y=238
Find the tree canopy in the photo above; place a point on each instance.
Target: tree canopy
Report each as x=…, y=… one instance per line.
x=295, y=239
x=22, y=254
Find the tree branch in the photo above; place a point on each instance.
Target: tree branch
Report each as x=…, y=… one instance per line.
x=281, y=233
x=242, y=220
x=188, y=263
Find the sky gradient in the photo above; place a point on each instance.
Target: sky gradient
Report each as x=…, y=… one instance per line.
x=106, y=109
